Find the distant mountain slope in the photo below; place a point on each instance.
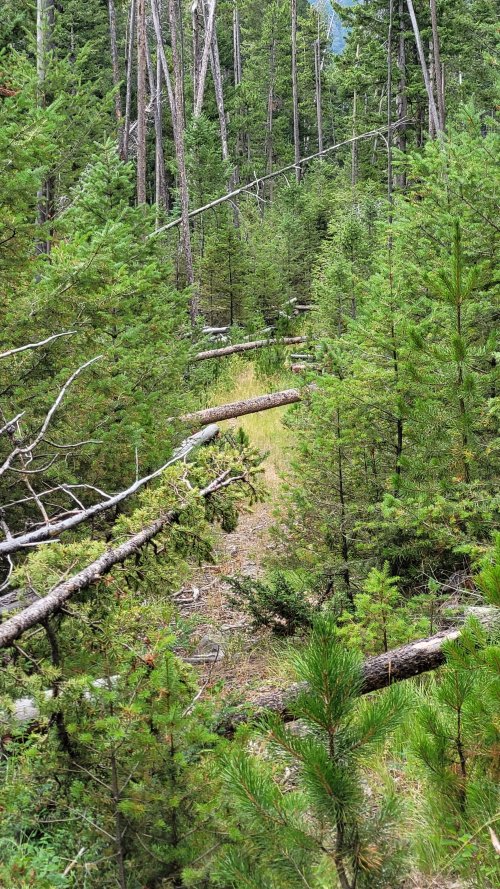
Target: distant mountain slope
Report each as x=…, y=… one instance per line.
x=337, y=30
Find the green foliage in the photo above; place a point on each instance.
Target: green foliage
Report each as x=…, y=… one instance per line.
x=455, y=740
x=280, y=605
x=324, y=822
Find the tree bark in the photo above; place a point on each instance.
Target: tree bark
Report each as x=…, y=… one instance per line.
x=236, y=45
x=195, y=28
x=49, y=532
x=247, y=347
x=317, y=77
x=270, y=110
x=354, y=149
x=155, y=90
x=44, y=45
x=420, y=49
x=128, y=85
x=241, y=408
x=53, y=601
x=178, y=126
x=379, y=672
x=207, y=46
x=438, y=73
x=141, y=101
x=219, y=95
x=115, y=65
x=401, y=99
x=295, y=94
x=266, y=177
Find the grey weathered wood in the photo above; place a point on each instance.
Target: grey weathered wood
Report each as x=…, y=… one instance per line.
x=423, y=64
x=250, y=186
x=295, y=93
x=247, y=347
x=379, y=672
x=141, y=101
x=48, y=532
x=38, y=611
x=241, y=408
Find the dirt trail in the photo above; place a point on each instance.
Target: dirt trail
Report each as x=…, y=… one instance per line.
x=244, y=654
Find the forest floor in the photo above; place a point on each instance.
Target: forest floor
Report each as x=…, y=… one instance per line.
x=244, y=658
x=234, y=657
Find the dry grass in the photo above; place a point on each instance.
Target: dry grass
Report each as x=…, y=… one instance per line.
x=265, y=429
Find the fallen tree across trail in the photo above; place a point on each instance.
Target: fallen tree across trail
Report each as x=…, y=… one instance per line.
x=42, y=609
x=379, y=671
x=47, y=532
x=247, y=347
x=241, y=408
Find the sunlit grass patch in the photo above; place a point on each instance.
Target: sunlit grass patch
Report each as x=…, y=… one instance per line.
x=265, y=430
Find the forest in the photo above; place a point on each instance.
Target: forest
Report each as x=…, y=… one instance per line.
x=249, y=444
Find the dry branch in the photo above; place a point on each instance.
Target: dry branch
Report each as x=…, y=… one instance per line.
x=46, y=532
x=247, y=347
x=240, y=408
x=44, y=607
x=55, y=336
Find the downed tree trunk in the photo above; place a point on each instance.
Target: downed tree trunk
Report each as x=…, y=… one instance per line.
x=378, y=672
x=302, y=368
x=247, y=347
x=48, y=532
x=240, y=408
x=44, y=607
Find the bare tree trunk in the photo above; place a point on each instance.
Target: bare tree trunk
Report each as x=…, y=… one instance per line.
x=128, y=86
x=431, y=127
x=161, y=194
x=45, y=12
x=178, y=126
x=207, y=47
x=195, y=25
x=155, y=86
x=401, y=100
x=437, y=67
x=378, y=672
x=236, y=45
x=248, y=347
x=354, y=149
x=425, y=73
x=141, y=101
x=269, y=121
x=161, y=53
x=114, y=62
x=219, y=94
x=295, y=94
x=317, y=76
x=389, y=112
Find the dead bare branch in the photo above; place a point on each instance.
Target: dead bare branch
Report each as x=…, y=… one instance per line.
x=49, y=339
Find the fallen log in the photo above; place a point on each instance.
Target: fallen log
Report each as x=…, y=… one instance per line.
x=303, y=368
x=247, y=347
x=241, y=408
x=48, y=532
x=379, y=672
x=269, y=176
x=213, y=331
x=41, y=609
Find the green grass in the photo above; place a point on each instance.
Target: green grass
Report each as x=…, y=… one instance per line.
x=265, y=429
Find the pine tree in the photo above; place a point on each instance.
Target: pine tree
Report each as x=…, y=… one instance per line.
x=321, y=825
